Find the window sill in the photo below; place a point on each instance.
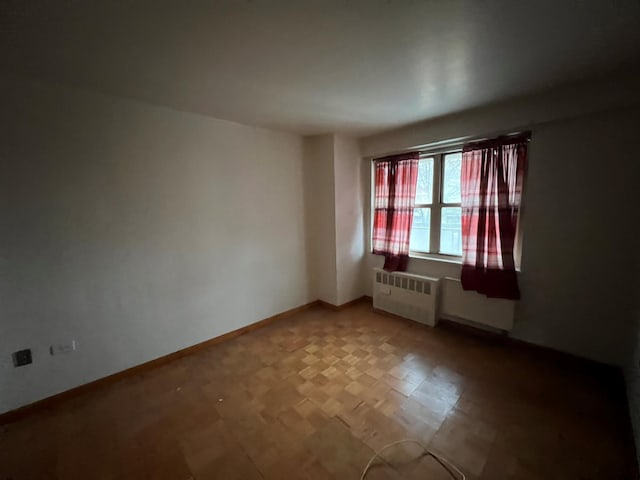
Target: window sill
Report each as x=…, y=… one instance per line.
x=436, y=258
x=443, y=258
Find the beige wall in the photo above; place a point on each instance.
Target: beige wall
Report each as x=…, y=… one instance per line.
x=136, y=231
x=578, y=213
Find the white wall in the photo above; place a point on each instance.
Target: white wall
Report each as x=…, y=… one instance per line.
x=350, y=239
x=576, y=100
x=580, y=206
x=136, y=231
x=335, y=217
x=578, y=217
x=319, y=192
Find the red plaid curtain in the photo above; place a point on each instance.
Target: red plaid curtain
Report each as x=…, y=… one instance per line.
x=491, y=182
x=396, y=180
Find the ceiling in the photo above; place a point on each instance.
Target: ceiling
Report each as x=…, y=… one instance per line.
x=310, y=67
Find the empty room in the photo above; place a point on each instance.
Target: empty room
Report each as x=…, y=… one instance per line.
x=319, y=239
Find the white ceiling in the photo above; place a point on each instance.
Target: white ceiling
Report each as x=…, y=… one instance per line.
x=318, y=66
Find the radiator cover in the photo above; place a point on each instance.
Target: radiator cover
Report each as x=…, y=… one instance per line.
x=407, y=295
x=458, y=304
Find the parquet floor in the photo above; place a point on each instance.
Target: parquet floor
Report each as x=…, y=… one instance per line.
x=312, y=396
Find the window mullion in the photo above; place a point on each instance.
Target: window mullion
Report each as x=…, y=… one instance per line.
x=434, y=240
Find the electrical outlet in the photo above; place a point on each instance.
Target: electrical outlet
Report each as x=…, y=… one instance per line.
x=63, y=348
x=22, y=357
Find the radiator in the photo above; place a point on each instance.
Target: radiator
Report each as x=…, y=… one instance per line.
x=407, y=295
x=458, y=304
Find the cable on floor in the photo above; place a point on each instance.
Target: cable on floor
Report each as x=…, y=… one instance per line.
x=451, y=469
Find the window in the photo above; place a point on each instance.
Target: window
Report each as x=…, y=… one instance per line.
x=437, y=216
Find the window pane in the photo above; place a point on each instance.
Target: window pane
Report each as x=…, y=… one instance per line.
x=451, y=180
x=424, y=190
x=420, y=230
x=450, y=231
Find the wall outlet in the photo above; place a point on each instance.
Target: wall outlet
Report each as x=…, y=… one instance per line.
x=62, y=348
x=22, y=357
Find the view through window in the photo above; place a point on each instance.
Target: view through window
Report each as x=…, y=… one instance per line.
x=437, y=216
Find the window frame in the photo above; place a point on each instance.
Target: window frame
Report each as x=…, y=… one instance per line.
x=445, y=258
x=436, y=206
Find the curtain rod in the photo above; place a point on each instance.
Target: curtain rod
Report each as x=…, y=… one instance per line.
x=479, y=140
x=438, y=147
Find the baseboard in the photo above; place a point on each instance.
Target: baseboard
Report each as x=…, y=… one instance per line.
x=48, y=402
x=473, y=325
x=611, y=372
x=540, y=351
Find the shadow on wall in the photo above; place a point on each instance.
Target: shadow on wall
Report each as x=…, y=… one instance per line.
x=632, y=370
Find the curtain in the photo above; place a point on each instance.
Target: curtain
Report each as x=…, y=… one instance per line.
x=395, y=194
x=491, y=183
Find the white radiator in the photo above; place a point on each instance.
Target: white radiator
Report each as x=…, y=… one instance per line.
x=458, y=304
x=407, y=295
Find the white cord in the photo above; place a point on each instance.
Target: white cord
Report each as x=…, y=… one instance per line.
x=444, y=463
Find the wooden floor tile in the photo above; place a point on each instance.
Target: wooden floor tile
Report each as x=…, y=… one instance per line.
x=315, y=395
